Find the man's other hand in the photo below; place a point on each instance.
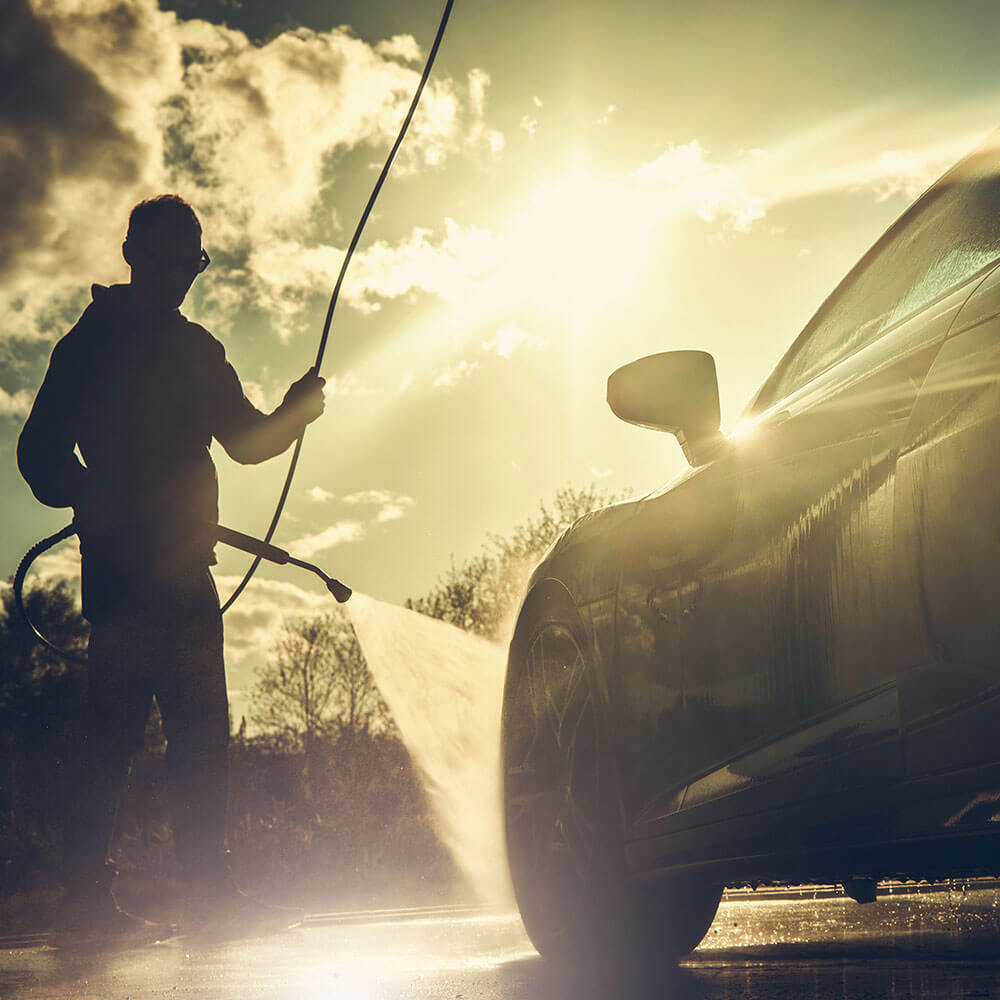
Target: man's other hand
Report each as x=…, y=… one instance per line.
x=305, y=397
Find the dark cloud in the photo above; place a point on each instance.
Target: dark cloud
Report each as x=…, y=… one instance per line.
x=106, y=102
x=56, y=121
x=23, y=359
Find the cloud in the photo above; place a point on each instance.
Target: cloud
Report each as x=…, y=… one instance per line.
x=16, y=404
x=109, y=101
x=902, y=173
x=834, y=158
x=402, y=47
x=480, y=135
x=61, y=562
x=254, y=622
x=557, y=255
x=369, y=496
x=713, y=191
x=263, y=398
x=318, y=494
x=450, y=377
x=66, y=144
x=509, y=338
x=346, y=385
x=391, y=506
x=258, y=124
x=393, y=511
x=329, y=538
x=447, y=268
x=479, y=82
x=898, y=172
x=575, y=245
x=57, y=122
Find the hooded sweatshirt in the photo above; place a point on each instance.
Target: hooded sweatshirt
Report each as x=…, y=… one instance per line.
x=141, y=395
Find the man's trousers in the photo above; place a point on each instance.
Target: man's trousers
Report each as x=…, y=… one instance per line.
x=178, y=658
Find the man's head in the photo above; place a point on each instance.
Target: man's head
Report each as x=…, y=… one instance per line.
x=163, y=249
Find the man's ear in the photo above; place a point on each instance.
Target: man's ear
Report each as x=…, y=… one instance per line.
x=127, y=253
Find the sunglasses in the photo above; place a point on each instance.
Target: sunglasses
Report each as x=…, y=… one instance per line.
x=173, y=263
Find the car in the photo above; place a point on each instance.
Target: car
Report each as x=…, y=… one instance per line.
x=783, y=667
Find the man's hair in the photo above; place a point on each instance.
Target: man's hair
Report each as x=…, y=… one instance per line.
x=171, y=208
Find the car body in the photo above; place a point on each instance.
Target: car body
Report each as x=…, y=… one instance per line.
x=783, y=666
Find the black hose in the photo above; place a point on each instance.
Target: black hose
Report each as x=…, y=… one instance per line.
x=22, y=571
x=336, y=292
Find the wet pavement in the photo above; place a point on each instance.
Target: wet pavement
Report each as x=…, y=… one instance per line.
x=911, y=947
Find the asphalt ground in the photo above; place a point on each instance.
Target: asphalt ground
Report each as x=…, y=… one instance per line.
x=940, y=944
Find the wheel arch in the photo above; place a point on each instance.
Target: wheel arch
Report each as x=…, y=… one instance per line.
x=548, y=600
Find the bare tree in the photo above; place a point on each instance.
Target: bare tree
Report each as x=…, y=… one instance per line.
x=317, y=686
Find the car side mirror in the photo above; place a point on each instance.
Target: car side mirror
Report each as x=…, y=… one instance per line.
x=676, y=392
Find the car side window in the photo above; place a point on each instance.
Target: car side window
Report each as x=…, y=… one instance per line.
x=946, y=239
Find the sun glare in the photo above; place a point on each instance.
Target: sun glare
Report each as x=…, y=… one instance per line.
x=573, y=250
x=577, y=245
x=742, y=430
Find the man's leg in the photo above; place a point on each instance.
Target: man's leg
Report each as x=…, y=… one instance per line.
x=118, y=703
x=195, y=709
x=191, y=692
x=118, y=700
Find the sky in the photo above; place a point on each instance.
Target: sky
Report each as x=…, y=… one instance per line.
x=584, y=184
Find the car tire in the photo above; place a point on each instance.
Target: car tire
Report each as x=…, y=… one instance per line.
x=563, y=815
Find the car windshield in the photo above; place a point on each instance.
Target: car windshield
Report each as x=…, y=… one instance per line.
x=952, y=233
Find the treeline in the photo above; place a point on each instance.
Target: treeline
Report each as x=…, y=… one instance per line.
x=325, y=806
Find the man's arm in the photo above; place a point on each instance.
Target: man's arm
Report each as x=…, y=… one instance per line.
x=250, y=436
x=45, y=453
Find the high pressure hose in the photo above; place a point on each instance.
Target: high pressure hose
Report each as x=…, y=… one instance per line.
x=262, y=549
x=22, y=571
x=336, y=291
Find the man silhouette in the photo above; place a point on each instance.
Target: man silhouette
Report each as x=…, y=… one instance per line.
x=140, y=391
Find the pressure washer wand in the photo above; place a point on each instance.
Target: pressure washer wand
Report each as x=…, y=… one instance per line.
x=246, y=543
x=265, y=550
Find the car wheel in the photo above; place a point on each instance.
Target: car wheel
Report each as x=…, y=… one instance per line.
x=563, y=818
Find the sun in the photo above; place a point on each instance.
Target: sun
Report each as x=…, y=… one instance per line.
x=577, y=246
x=568, y=252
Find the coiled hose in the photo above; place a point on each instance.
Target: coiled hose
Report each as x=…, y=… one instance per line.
x=22, y=571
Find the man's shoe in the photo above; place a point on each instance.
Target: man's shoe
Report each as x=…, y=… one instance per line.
x=222, y=910
x=96, y=921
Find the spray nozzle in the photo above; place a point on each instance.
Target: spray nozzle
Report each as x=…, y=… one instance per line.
x=339, y=590
x=264, y=550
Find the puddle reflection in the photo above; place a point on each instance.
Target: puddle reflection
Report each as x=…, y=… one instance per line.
x=915, y=947
x=939, y=947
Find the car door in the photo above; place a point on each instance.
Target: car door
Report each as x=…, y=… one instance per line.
x=948, y=545
x=788, y=658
